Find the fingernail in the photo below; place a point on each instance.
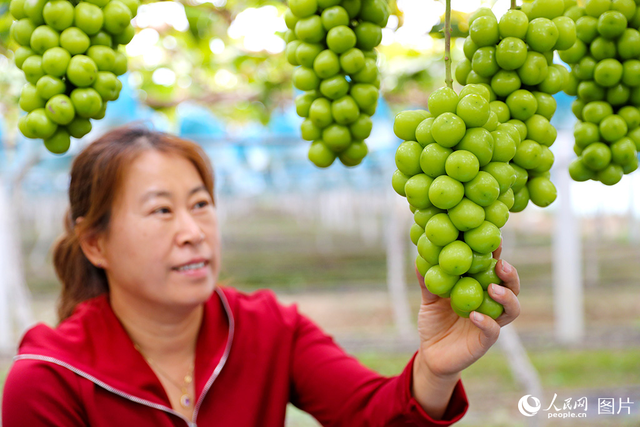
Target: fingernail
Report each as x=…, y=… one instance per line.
x=506, y=267
x=477, y=316
x=497, y=289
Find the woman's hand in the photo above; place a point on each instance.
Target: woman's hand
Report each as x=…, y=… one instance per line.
x=450, y=343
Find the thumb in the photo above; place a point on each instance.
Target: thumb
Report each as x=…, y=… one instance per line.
x=489, y=329
x=427, y=296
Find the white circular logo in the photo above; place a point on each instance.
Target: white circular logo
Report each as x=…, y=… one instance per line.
x=526, y=409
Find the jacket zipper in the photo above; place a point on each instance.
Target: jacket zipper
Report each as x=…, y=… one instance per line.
x=224, y=358
x=145, y=402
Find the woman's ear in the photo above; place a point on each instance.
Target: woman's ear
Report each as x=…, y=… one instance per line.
x=92, y=246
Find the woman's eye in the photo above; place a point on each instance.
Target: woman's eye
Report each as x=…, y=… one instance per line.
x=162, y=210
x=201, y=204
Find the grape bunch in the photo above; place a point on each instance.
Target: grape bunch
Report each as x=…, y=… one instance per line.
x=477, y=155
x=332, y=42
x=605, y=70
x=513, y=58
x=453, y=168
x=70, y=58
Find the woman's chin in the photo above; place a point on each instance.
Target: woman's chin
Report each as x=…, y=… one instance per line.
x=193, y=293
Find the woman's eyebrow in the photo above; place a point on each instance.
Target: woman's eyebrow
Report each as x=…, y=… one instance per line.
x=198, y=188
x=168, y=194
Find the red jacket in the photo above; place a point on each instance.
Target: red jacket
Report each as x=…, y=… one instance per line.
x=253, y=356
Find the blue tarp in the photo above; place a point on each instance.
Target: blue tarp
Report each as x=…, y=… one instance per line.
x=198, y=122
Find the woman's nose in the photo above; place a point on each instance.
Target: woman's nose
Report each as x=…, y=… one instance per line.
x=189, y=230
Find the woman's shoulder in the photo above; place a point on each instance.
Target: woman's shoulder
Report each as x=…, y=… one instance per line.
x=90, y=318
x=35, y=390
x=32, y=375
x=83, y=344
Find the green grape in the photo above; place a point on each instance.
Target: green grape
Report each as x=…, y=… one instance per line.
x=497, y=213
x=438, y=281
x=408, y=158
x=485, y=188
x=611, y=24
x=448, y=129
x=462, y=165
x=586, y=29
x=484, y=31
x=59, y=142
x=433, y=159
x=511, y=53
x=446, y=192
x=608, y=72
x=466, y=295
x=417, y=191
x=321, y=155
x=472, y=109
x=440, y=230
x=546, y=9
x=542, y=192
x=490, y=307
x=514, y=23
x=443, y=100
x=456, y=258
x=542, y=35
x=466, y=215
x=596, y=156
x=480, y=263
x=484, y=61
x=477, y=141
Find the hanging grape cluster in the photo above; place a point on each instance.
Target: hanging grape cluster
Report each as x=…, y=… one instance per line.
x=332, y=42
x=514, y=58
x=605, y=68
x=70, y=58
x=478, y=154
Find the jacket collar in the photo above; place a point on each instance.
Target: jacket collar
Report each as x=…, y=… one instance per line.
x=93, y=343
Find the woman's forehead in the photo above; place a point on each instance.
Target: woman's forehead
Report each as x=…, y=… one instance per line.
x=158, y=172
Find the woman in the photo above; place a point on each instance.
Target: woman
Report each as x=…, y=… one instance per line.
x=147, y=338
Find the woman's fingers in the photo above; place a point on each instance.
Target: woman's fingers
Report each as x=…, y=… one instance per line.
x=509, y=301
x=498, y=252
x=489, y=329
x=508, y=275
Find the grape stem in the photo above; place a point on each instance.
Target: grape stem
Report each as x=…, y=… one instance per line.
x=447, y=44
x=513, y=4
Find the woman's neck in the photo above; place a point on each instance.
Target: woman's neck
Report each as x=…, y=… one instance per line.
x=161, y=334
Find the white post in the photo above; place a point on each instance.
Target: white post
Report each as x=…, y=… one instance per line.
x=6, y=333
x=634, y=221
x=15, y=306
x=592, y=264
x=396, y=235
x=521, y=367
x=567, y=253
x=324, y=242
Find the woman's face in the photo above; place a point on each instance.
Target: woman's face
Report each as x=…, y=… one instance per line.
x=163, y=244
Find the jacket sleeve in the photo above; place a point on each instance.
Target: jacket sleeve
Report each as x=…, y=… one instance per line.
x=39, y=394
x=339, y=391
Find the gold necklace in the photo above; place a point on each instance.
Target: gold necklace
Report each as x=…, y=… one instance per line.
x=185, y=398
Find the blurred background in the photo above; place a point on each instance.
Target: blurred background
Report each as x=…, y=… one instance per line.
x=336, y=241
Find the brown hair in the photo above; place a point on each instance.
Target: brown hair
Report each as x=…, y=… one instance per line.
x=96, y=177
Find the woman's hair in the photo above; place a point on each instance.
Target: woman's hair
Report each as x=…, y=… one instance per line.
x=96, y=178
